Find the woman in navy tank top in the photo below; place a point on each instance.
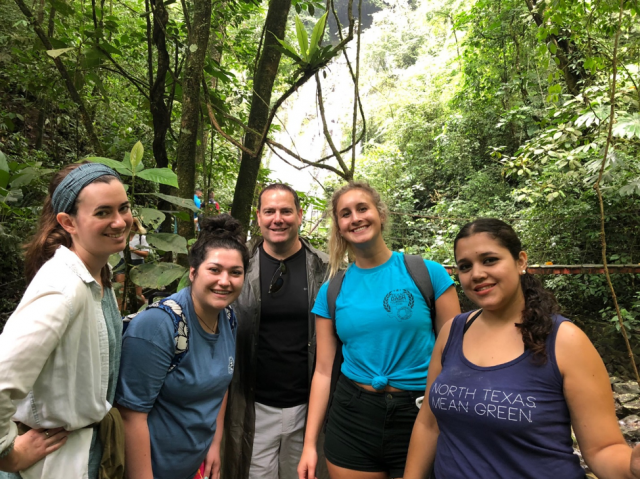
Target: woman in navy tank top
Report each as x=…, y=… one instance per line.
x=507, y=382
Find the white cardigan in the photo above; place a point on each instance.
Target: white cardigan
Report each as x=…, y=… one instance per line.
x=54, y=364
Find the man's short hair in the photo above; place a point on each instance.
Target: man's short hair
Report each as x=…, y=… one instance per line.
x=282, y=187
x=199, y=189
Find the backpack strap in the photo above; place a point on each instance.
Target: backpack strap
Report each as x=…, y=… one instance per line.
x=335, y=284
x=420, y=275
x=231, y=317
x=180, y=327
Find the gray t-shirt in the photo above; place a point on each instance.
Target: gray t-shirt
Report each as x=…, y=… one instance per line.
x=183, y=404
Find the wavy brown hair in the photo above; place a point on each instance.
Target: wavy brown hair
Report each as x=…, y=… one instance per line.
x=337, y=244
x=50, y=235
x=539, y=304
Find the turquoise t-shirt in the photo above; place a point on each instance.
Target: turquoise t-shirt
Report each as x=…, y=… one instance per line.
x=385, y=324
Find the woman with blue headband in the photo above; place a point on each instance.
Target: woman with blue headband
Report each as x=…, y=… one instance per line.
x=60, y=350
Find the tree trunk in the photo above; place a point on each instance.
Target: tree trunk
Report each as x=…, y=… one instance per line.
x=73, y=93
x=191, y=80
x=566, y=52
x=275, y=27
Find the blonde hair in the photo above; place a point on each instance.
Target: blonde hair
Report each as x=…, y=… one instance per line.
x=338, y=246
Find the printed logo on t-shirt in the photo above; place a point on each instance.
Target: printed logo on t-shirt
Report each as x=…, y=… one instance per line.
x=230, y=364
x=399, y=304
x=488, y=402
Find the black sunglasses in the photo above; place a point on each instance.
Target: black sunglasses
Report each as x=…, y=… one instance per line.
x=277, y=280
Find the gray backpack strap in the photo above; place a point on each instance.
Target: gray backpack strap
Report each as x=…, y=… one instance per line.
x=420, y=275
x=335, y=285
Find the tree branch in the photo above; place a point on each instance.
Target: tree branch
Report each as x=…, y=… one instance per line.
x=327, y=135
x=603, y=239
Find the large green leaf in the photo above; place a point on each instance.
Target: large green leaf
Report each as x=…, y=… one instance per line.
x=26, y=176
x=627, y=126
x=135, y=157
x=4, y=166
x=58, y=52
x=160, y=175
x=150, y=217
x=176, y=200
x=168, y=242
x=303, y=40
x=316, y=35
x=184, y=281
x=288, y=50
x=116, y=165
x=156, y=275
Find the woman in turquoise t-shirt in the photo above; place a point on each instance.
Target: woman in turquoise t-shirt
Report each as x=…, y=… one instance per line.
x=385, y=326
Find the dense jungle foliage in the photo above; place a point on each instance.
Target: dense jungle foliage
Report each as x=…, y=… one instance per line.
x=476, y=108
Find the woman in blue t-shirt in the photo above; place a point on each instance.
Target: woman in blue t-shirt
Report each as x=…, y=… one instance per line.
x=176, y=365
x=508, y=381
x=385, y=326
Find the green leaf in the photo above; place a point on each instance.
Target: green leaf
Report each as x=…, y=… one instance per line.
x=303, y=40
x=288, y=50
x=4, y=178
x=176, y=200
x=136, y=156
x=114, y=259
x=150, y=217
x=26, y=176
x=160, y=175
x=110, y=49
x=58, y=52
x=316, y=35
x=168, y=242
x=4, y=166
x=156, y=275
x=181, y=215
x=116, y=165
x=627, y=126
x=185, y=282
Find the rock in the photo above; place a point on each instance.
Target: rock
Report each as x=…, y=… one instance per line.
x=624, y=398
x=629, y=387
x=630, y=427
x=614, y=379
x=632, y=407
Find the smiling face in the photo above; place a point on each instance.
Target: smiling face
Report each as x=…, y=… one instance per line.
x=359, y=221
x=278, y=218
x=101, y=223
x=488, y=273
x=218, y=280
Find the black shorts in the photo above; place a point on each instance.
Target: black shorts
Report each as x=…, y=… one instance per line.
x=369, y=431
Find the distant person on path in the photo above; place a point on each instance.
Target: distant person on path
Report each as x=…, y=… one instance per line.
x=387, y=332
x=276, y=345
x=508, y=381
x=139, y=249
x=60, y=349
x=197, y=199
x=177, y=363
x=213, y=204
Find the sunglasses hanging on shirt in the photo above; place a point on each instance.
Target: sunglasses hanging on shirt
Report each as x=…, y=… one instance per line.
x=277, y=280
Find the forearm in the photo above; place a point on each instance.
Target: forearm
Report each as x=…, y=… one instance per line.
x=611, y=462
x=217, y=437
x=318, y=402
x=422, y=448
x=137, y=446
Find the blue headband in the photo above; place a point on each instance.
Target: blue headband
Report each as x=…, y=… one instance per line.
x=68, y=190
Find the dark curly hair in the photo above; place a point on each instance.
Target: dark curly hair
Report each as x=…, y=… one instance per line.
x=221, y=231
x=539, y=304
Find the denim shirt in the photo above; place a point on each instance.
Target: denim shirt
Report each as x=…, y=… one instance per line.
x=54, y=363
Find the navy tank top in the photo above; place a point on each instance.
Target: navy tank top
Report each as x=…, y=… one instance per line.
x=506, y=421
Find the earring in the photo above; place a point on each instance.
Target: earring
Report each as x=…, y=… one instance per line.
x=524, y=271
